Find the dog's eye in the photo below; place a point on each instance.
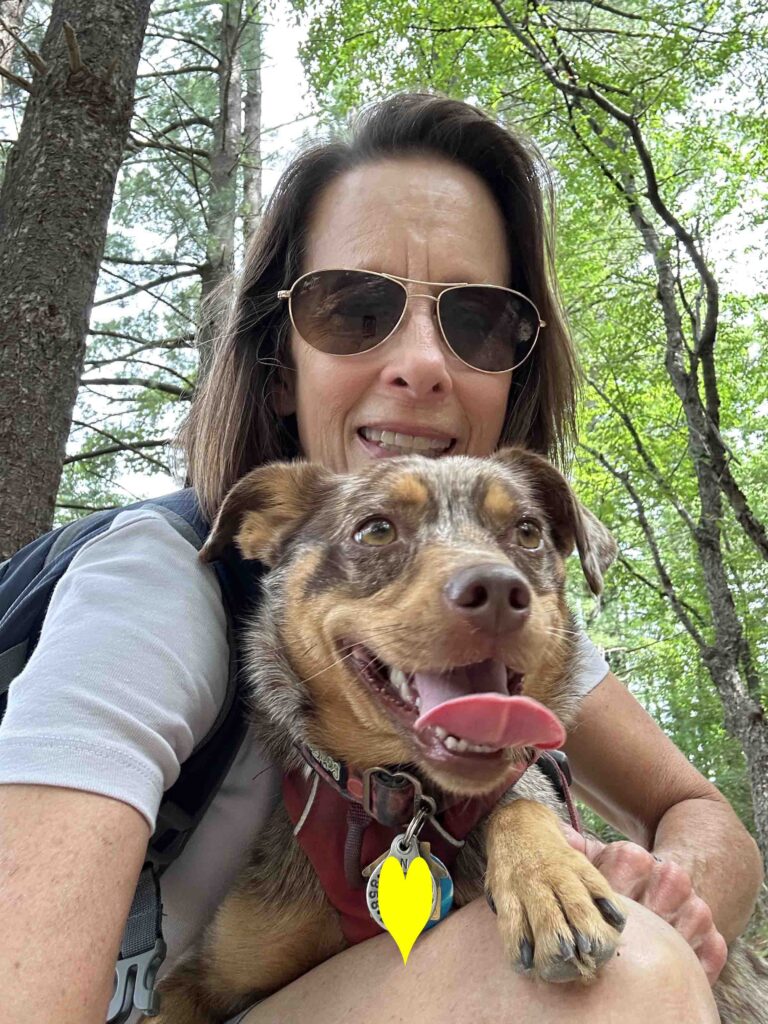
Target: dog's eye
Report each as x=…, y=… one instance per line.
x=528, y=535
x=376, y=532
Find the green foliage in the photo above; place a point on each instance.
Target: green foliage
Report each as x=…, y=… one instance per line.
x=693, y=77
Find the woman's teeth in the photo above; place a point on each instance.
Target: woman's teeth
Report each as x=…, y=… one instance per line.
x=396, y=442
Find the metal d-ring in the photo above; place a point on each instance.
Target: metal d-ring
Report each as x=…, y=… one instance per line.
x=417, y=823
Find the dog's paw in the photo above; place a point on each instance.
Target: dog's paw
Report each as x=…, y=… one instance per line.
x=560, y=921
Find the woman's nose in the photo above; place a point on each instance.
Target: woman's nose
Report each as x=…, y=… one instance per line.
x=417, y=354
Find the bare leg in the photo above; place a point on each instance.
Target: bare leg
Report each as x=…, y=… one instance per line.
x=458, y=972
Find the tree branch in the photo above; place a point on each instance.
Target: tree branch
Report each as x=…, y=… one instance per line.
x=22, y=83
x=622, y=560
x=184, y=394
x=666, y=583
x=187, y=70
x=166, y=279
x=645, y=455
x=149, y=263
x=75, y=58
x=111, y=449
x=33, y=58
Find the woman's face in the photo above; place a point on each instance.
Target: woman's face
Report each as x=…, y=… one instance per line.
x=420, y=218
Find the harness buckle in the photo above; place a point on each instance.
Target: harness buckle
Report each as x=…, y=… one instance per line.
x=135, y=984
x=385, y=794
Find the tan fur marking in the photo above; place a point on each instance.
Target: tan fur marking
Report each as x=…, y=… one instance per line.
x=255, y=535
x=535, y=878
x=253, y=947
x=351, y=722
x=498, y=504
x=409, y=490
x=290, y=939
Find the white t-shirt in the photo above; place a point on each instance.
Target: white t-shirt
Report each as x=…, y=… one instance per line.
x=127, y=678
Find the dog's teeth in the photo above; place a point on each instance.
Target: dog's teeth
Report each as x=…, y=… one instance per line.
x=462, y=746
x=400, y=681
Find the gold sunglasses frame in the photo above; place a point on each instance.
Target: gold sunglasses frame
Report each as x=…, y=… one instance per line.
x=445, y=286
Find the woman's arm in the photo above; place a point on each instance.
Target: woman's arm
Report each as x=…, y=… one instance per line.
x=636, y=779
x=69, y=863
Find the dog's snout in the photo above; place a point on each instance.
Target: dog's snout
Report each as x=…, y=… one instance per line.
x=493, y=597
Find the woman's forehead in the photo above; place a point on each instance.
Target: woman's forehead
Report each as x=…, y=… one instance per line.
x=420, y=217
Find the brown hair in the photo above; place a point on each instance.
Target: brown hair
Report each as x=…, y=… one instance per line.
x=233, y=427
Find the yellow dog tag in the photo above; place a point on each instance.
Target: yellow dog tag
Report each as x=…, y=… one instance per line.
x=405, y=901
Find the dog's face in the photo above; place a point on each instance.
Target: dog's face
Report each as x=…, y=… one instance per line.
x=421, y=605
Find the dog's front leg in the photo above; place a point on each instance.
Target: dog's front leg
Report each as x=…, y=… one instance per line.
x=558, y=917
x=274, y=925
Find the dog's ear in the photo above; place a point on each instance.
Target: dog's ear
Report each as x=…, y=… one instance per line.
x=263, y=508
x=572, y=524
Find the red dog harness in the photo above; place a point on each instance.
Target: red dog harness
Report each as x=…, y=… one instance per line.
x=347, y=823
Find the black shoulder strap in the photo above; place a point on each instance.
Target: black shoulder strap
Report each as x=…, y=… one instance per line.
x=143, y=949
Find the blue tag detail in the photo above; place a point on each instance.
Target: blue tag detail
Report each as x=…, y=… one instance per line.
x=446, y=897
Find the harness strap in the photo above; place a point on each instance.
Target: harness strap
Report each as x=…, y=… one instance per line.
x=142, y=950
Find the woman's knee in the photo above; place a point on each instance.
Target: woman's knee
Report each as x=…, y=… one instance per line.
x=663, y=958
x=459, y=970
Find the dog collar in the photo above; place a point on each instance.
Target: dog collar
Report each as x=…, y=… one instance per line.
x=340, y=832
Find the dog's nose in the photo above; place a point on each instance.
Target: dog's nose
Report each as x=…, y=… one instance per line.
x=493, y=597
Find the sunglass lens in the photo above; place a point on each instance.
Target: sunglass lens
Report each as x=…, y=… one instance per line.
x=343, y=312
x=489, y=328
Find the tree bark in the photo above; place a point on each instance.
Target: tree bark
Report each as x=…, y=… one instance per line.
x=222, y=194
x=54, y=209
x=251, y=63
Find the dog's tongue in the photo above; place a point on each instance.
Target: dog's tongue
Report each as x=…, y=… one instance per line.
x=472, y=703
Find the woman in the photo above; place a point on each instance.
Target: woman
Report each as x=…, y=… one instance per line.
x=428, y=191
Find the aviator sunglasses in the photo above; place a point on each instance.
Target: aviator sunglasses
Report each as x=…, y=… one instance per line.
x=348, y=312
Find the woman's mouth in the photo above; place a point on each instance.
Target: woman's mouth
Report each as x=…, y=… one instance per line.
x=382, y=443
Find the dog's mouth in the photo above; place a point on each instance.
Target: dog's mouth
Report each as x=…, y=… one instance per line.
x=469, y=712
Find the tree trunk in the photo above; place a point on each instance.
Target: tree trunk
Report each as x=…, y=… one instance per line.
x=12, y=14
x=251, y=63
x=54, y=209
x=222, y=197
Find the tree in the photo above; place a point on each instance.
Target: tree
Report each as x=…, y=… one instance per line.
x=54, y=207
x=187, y=198
x=622, y=97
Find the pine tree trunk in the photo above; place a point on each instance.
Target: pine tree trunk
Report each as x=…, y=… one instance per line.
x=54, y=209
x=251, y=62
x=222, y=196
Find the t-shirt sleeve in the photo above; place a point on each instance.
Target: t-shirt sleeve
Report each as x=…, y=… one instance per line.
x=130, y=670
x=591, y=666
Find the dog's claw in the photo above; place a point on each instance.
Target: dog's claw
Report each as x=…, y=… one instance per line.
x=526, y=954
x=567, y=949
x=611, y=913
x=583, y=944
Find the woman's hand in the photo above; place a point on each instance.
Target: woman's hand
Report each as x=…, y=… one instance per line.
x=662, y=886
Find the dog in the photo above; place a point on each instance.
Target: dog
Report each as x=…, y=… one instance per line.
x=412, y=651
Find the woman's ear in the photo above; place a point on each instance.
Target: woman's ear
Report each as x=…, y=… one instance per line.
x=283, y=391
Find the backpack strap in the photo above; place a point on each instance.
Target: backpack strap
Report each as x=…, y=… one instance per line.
x=143, y=948
x=27, y=581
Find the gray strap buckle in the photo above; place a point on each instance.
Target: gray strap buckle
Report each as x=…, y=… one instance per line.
x=135, y=985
